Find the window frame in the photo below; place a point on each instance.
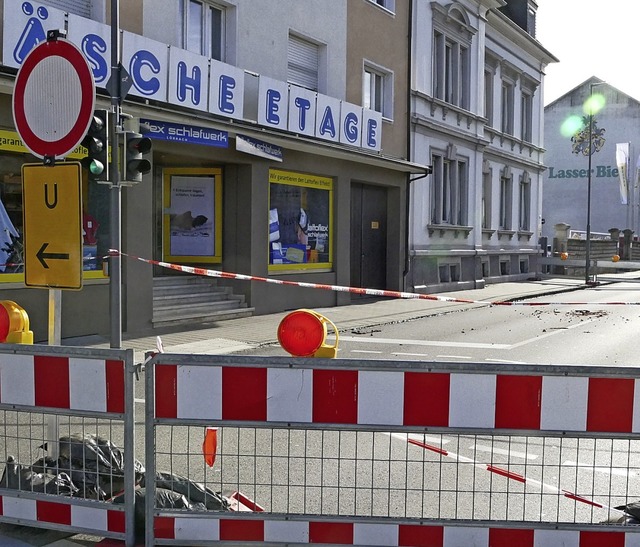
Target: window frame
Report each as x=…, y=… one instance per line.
x=487, y=187
x=312, y=183
x=507, y=96
x=526, y=115
x=378, y=82
x=388, y=5
x=206, y=29
x=451, y=55
x=299, y=50
x=216, y=194
x=449, y=189
x=506, y=198
x=524, y=203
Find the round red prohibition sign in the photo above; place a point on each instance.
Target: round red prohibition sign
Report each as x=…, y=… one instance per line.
x=53, y=99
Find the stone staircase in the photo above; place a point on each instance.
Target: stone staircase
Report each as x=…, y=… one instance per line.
x=184, y=300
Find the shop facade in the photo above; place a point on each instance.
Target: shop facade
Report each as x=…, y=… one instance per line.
x=250, y=175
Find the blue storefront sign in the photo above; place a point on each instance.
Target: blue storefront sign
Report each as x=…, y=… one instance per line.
x=191, y=134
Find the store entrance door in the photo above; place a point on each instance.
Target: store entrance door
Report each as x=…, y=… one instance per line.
x=368, y=236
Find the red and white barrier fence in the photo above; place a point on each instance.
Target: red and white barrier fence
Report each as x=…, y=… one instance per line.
x=406, y=399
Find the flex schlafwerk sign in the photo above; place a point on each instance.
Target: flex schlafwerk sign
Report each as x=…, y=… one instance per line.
x=179, y=77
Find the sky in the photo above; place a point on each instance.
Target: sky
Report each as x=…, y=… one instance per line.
x=590, y=38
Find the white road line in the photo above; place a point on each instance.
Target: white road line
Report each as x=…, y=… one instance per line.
x=599, y=468
x=364, y=351
x=440, y=343
x=452, y=357
x=551, y=333
x=506, y=361
x=502, y=452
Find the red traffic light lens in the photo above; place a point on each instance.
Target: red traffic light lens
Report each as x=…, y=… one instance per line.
x=301, y=333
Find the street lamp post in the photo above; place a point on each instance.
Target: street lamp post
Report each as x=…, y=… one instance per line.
x=590, y=148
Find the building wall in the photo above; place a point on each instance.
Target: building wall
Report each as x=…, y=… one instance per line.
x=258, y=34
x=453, y=254
x=381, y=37
x=257, y=38
x=566, y=179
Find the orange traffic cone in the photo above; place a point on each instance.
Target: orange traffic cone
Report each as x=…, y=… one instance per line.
x=210, y=445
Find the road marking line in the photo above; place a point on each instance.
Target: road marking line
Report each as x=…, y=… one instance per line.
x=599, y=468
x=440, y=343
x=503, y=452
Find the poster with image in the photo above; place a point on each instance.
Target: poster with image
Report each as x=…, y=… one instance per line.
x=191, y=216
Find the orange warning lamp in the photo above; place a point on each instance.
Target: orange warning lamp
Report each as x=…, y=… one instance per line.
x=564, y=256
x=303, y=332
x=615, y=258
x=14, y=324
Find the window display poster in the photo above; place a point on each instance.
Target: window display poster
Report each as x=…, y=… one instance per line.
x=299, y=218
x=191, y=216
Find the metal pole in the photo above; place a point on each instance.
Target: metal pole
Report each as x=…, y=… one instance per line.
x=115, y=263
x=590, y=148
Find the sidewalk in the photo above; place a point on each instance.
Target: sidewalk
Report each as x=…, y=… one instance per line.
x=250, y=332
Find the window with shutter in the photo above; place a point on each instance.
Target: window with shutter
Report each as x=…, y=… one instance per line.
x=302, y=63
x=77, y=7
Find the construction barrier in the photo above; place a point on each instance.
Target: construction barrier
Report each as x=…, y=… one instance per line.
x=89, y=394
x=353, y=452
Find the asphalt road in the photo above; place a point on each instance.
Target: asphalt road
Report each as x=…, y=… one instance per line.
x=574, y=328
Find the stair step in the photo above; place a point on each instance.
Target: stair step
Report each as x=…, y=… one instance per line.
x=196, y=310
x=222, y=315
x=191, y=299
x=179, y=300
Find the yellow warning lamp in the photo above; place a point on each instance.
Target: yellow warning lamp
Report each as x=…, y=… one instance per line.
x=303, y=333
x=615, y=258
x=564, y=256
x=14, y=324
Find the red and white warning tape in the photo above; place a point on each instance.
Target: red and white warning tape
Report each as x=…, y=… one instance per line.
x=544, y=487
x=353, y=290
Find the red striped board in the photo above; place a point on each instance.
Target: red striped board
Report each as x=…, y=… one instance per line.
x=79, y=383
x=469, y=400
x=256, y=531
x=101, y=518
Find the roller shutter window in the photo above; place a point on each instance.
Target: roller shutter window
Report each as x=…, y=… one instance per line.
x=302, y=63
x=77, y=7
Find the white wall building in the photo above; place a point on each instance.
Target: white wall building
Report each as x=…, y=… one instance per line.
x=615, y=126
x=477, y=118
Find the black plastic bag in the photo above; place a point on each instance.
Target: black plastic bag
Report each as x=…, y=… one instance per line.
x=36, y=479
x=193, y=491
x=95, y=465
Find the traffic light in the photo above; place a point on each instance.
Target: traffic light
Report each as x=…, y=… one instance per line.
x=136, y=146
x=96, y=142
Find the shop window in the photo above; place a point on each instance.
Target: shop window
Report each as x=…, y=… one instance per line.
x=95, y=213
x=300, y=221
x=192, y=215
